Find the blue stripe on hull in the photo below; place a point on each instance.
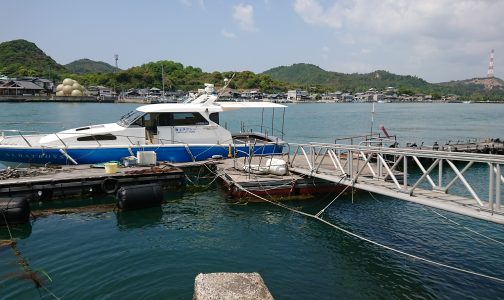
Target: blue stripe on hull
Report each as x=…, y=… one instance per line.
x=98, y=155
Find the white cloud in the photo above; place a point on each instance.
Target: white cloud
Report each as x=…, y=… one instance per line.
x=480, y=19
x=312, y=12
x=228, y=34
x=243, y=14
x=189, y=3
x=418, y=33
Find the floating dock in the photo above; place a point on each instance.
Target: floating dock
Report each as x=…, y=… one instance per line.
x=485, y=146
x=282, y=187
x=46, y=183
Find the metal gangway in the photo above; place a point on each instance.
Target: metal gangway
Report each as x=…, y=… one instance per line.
x=464, y=183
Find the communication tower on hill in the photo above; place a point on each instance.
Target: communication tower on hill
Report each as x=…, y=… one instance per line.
x=116, y=57
x=490, y=72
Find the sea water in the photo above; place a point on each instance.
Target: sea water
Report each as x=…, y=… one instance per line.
x=156, y=253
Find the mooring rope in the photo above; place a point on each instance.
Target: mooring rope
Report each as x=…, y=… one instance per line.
x=341, y=193
x=467, y=228
x=426, y=260
x=6, y=223
x=444, y=222
x=456, y=223
x=17, y=252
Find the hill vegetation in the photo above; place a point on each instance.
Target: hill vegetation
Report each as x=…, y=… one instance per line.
x=178, y=77
x=83, y=66
x=23, y=58
x=311, y=75
x=307, y=74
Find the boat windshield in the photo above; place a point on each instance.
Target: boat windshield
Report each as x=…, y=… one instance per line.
x=129, y=118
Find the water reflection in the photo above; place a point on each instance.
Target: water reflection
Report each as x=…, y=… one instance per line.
x=142, y=218
x=21, y=231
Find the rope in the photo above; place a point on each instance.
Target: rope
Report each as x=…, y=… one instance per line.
x=50, y=292
x=426, y=260
x=6, y=223
x=27, y=268
x=468, y=229
x=341, y=193
x=454, y=222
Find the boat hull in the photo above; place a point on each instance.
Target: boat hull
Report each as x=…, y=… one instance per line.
x=170, y=153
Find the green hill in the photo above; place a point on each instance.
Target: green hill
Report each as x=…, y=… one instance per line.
x=23, y=58
x=307, y=74
x=84, y=66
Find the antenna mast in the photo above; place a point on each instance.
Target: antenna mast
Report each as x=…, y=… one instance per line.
x=490, y=72
x=116, y=57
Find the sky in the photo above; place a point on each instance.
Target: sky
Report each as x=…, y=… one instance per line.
x=437, y=40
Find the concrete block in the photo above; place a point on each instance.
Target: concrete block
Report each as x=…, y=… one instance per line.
x=230, y=286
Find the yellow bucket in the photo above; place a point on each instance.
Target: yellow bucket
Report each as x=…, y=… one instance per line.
x=110, y=168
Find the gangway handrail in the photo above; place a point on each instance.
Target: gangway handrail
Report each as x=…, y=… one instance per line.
x=344, y=161
x=479, y=157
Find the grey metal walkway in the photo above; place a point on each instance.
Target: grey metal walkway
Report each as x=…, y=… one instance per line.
x=451, y=181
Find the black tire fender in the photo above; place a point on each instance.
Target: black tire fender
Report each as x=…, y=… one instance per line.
x=110, y=185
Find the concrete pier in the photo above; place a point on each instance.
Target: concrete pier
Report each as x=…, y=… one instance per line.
x=230, y=286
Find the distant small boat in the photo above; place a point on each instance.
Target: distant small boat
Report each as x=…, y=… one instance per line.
x=467, y=102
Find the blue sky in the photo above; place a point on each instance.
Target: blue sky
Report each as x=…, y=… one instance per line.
x=438, y=40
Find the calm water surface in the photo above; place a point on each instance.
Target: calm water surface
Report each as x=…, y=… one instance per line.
x=156, y=253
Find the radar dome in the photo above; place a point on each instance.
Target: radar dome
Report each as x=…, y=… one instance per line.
x=59, y=88
x=60, y=93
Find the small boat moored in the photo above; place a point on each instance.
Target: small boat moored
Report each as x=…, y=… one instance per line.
x=176, y=132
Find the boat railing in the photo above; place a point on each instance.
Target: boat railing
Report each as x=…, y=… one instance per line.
x=251, y=156
x=366, y=139
x=266, y=130
x=26, y=134
x=23, y=134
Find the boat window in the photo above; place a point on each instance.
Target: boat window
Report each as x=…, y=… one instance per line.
x=97, y=137
x=129, y=118
x=181, y=119
x=165, y=119
x=188, y=118
x=214, y=117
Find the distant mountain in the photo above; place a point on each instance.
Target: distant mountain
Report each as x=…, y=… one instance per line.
x=475, y=84
x=85, y=66
x=305, y=75
x=308, y=74
x=23, y=58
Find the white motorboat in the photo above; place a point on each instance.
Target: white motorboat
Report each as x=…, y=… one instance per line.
x=177, y=132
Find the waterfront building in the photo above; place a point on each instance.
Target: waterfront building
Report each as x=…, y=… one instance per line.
x=22, y=88
x=251, y=94
x=25, y=86
x=297, y=95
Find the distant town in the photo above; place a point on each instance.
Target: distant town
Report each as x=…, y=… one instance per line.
x=36, y=88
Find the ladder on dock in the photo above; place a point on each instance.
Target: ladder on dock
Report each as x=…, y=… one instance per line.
x=450, y=181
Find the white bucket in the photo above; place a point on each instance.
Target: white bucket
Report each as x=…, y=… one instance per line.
x=110, y=168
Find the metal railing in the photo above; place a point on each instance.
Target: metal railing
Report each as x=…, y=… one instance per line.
x=438, y=171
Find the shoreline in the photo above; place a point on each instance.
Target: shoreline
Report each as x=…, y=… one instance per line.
x=91, y=99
